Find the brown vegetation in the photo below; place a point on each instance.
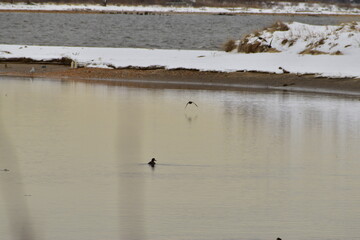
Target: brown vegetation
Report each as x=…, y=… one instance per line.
x=261, y=45
x=337, y=53
x=312, y=52
x=62, y=61
x=254, y=47
x=229, y=45
x=277, y=26
x=317, y=52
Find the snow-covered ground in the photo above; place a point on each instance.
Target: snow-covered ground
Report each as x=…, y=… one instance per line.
x=344, y=38
x=322, y=65
x=299, y=38
x=276, y=8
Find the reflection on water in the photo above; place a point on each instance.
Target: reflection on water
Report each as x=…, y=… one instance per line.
x=244, y=165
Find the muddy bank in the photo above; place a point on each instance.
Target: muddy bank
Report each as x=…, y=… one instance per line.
x=183, y=79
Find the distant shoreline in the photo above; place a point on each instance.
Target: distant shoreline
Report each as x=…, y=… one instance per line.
x=185, y=79
x=280, y=8
x=174, y=12
x=166, y=13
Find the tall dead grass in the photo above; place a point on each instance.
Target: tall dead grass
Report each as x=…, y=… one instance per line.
x=260, y=44
x=229, y=46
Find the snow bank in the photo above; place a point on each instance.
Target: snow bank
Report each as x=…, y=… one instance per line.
x=303, y=38
x=275, y=8
x=322, y=65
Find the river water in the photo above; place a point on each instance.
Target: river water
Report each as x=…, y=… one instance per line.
x=174, y=31
x=243, y=165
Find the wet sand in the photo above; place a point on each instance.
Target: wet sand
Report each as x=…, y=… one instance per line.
x=184, y=79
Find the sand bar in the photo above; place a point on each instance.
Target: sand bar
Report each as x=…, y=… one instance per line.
x=184, y=79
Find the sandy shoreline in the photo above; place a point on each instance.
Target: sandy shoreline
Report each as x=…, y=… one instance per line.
x=184, y=79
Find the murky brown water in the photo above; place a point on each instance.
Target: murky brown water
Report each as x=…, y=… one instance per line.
x=244, y=165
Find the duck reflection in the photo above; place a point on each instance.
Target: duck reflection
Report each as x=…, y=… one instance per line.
x=190, y=117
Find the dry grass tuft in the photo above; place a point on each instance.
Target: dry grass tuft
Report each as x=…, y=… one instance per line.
x=312, y=52
x=249, y=46
x=229, y=45
x=254, y=47
x=284, y=41
x=337, y=53
x=272, y=50
x=278, y=26
x=321, y=41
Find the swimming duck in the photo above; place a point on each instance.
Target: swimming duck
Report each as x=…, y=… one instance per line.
x=152, y=162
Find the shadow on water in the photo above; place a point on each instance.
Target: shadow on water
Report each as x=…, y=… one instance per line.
x=12, y=190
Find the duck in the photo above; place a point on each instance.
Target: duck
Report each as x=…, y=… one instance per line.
x=152, y=162
x=191, y=102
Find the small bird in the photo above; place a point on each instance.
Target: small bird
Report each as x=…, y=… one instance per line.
x=191, y=102
x=284, y=71
x=264, y=40
x=152, y=162
x=32, y=70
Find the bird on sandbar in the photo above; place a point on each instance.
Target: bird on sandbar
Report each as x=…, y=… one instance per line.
x=32, y=70
x=191, y=102
x=283, y=70
x=152, y=162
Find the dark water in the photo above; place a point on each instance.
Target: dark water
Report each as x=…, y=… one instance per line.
x=188, y=31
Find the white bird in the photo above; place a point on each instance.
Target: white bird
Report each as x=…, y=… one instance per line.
x=32, y=70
